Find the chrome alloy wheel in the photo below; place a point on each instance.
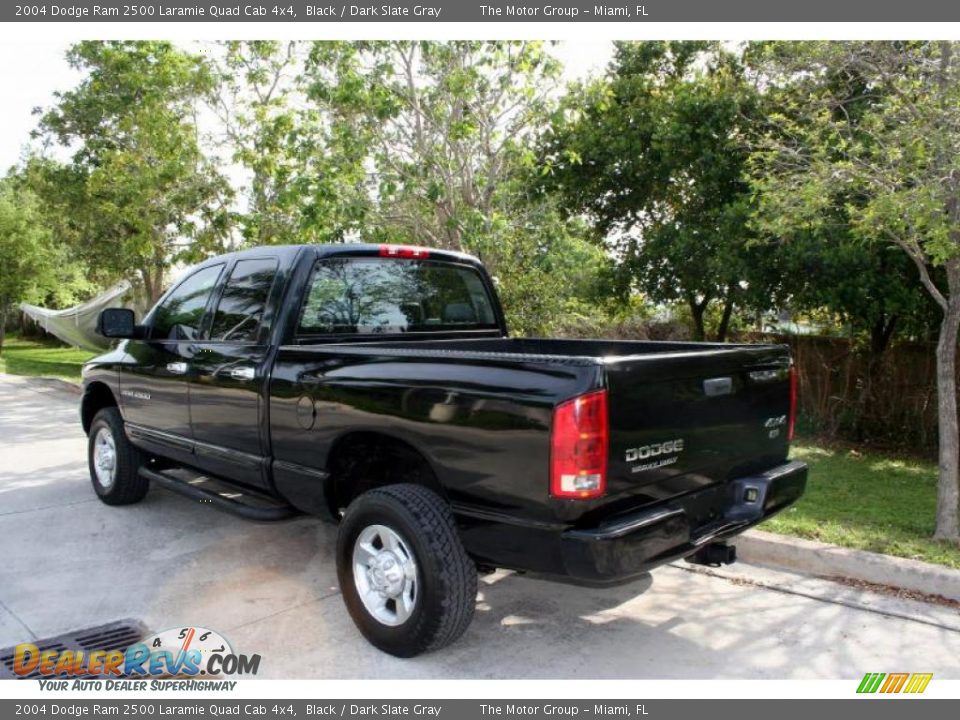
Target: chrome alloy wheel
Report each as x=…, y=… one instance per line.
x=385, y=575
x=105, y=458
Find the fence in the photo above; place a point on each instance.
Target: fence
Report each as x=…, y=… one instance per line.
x=897, y=406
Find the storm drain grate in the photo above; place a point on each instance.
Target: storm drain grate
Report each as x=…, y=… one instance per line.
x=118, y=635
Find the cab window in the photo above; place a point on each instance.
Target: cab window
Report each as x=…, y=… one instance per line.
x=240, y=310
x=179, y=316
x=390, y=296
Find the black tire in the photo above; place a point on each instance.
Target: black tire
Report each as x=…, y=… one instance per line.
x=446, y=576
x=127, y=486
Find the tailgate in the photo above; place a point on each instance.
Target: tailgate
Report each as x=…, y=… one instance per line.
x=683, y=421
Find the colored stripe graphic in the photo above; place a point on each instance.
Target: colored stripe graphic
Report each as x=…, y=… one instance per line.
x=870, y=682
x=894, y=682
x=918, y=682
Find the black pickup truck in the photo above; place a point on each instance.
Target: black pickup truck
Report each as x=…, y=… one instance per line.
x=376, y=386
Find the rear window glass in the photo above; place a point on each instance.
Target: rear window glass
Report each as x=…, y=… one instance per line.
x=384, y=295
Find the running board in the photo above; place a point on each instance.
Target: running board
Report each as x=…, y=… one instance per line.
x=226, y=496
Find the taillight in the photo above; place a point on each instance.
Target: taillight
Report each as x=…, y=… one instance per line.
x=403, y=251
x=792, y=420
x=578, y=447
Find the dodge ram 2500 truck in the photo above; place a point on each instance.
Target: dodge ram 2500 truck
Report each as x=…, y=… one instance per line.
x=376, y=386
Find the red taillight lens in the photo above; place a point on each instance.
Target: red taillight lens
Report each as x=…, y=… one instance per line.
x=792, y=419
x=402, y=251
x=578, y=447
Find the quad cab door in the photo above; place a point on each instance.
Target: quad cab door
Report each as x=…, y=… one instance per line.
x=154, y=391
x=228, y=374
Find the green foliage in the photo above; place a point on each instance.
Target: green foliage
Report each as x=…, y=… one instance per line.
x=655, y=155
x=870, y=123
x=830, y=260
x=34, y=266
x=307, y=179
x=25, y=270
x=547, y=272
x=139, y=194
x=444, y=124
x=446, y=128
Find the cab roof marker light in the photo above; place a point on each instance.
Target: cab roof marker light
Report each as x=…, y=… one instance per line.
x=404, y=252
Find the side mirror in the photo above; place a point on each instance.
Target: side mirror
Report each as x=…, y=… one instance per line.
x=117, y=323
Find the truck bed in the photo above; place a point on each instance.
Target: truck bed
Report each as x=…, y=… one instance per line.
x=656, y=395
x=684, y=418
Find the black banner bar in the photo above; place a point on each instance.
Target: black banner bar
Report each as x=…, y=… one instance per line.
x=366, y=709
x=638, y=11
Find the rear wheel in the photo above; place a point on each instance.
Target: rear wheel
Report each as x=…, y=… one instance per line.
x=406, y=580
x=114, y=462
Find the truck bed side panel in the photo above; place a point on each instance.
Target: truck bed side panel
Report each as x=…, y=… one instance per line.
x=483, y=426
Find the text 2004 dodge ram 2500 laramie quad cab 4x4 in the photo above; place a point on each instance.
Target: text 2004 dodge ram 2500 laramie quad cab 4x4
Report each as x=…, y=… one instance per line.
x=376, y=386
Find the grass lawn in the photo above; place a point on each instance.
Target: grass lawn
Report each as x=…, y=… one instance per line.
x=869, y=502
x=21, y=356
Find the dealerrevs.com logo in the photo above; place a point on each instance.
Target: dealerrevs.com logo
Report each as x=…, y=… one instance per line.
x=179, y=652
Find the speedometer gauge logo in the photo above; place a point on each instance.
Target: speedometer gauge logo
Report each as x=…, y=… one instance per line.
x=198, y=643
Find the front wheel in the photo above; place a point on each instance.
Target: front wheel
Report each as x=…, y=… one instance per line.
x=406, y=579
x=114, y=461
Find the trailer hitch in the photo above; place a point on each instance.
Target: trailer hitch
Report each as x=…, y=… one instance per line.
x=714, y=555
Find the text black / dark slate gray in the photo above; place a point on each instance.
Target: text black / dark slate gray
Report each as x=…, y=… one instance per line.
x=312, y=11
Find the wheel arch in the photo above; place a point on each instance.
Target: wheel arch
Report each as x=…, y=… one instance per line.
x=96, y=397
x=359, y=461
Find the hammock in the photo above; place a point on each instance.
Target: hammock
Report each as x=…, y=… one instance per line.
x=77, y=325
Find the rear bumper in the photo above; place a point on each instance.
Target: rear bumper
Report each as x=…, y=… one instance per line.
x=625, y=547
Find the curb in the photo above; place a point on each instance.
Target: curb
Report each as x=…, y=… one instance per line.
x=817, y=558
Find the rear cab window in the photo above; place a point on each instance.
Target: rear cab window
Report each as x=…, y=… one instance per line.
x=361, y=296
x=239, y=313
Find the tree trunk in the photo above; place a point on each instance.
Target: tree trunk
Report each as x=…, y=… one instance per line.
x=724, y=326
x=152, y=284
x=948, y=486
x=698, y=310
x=880, y=335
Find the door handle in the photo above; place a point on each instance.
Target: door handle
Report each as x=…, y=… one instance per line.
x=244, y=372
x=177, y=368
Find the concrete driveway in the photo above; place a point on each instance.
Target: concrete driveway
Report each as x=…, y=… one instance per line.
x=68, y=562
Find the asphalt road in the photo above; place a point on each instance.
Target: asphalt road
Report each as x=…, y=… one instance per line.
x=69, y=562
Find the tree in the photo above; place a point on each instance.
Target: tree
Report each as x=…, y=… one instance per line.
x=897, y=161
x=446, y=130
x=139, y=192
x=444, y=124
x=655, y=155
x=306, y=182
x=33, y=266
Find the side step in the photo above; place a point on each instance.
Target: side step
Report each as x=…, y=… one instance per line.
x=226, y=496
